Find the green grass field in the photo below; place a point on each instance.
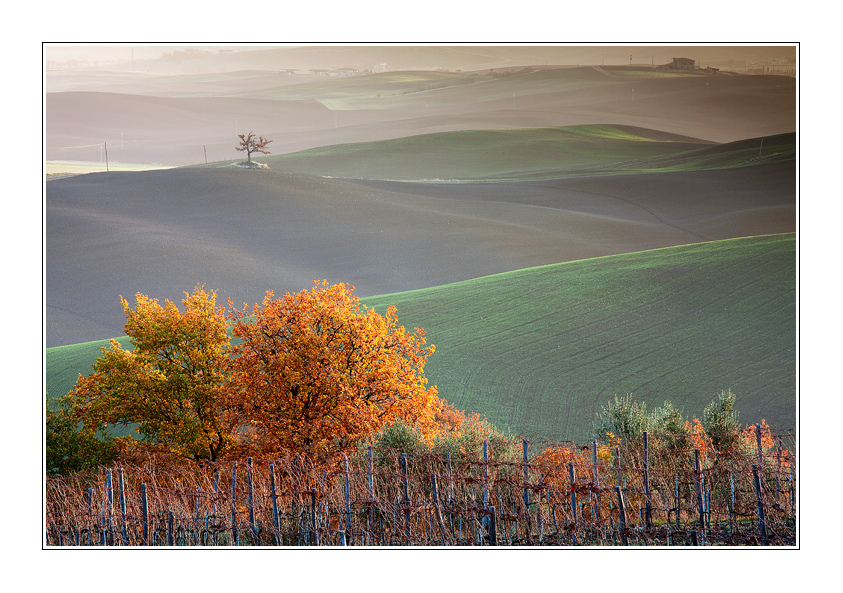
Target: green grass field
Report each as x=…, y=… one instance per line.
x=528, y=153
x=538, y=351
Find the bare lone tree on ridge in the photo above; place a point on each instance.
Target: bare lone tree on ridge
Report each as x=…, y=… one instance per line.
x=250, y=143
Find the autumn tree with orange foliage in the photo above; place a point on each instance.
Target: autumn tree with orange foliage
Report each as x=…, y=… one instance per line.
x=174, y=383
x=317, y=371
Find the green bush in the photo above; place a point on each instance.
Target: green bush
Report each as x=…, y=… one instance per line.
x=623, y=418
x=69, y=447
x=720, y=420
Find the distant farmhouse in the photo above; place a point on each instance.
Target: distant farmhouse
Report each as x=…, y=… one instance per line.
x=680, y=64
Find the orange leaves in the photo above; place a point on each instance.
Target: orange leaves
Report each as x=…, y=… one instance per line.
x=749, y=437
x=317, y=370
x=174, y=383
x=699, y=438
x=314, y=372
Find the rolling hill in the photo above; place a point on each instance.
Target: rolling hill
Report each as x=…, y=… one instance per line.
x=539, y=350
x=183, y=119
x=244, y=232
x=530, y=153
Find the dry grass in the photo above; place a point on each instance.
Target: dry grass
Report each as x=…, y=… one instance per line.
x=207, y=505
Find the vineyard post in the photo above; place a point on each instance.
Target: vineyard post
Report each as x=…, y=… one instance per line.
x=539, y=522
x=678, y=500
x=214, y=505
x=371, y=487
x=779, y=469
x=697, y=477
x=450, y=481
x=792, y=495
x=315, y=534
x=572, y=475
x=109, y=498
x=438, y=509
x=90, y=511
x=216, y=492
x=758, y=443
x=233, y=506
x=145, y=511
x=485, y=474
x=622, y=514
x=198, y=523
x=493, y=536
x=170, y=540
x=450, y=491
x=347, y=502
x=596, y=480
x=406, y=498
x=326, y=512
x=524, y=445
x=251, y=499
x=485, y=521
x=732, y=513
x=647, y=517
x=275, y=519
x=618, y=464
x=122, y=507
x=707, y=493
x=762, y=526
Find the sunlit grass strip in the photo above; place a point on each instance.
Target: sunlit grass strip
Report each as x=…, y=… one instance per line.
x=82, y=167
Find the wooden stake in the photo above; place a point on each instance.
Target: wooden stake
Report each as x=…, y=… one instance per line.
x=347, y=501
x=234, y=538
x=622, y=513
x=251, y=500
x=485, y=474
x=314, y=532
x=596, y=480
x=370, y=485
x=573, y=477
x=701, y=507
x=438, y=509
x=170, y=539
x=109, y=498
x=524, y=445
x=122, y=507
x=762, y=524
x=647, y=517
x=145, y=511
x=90, y=513
x=406, y=499
x=732, y=514
x=276, y=522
